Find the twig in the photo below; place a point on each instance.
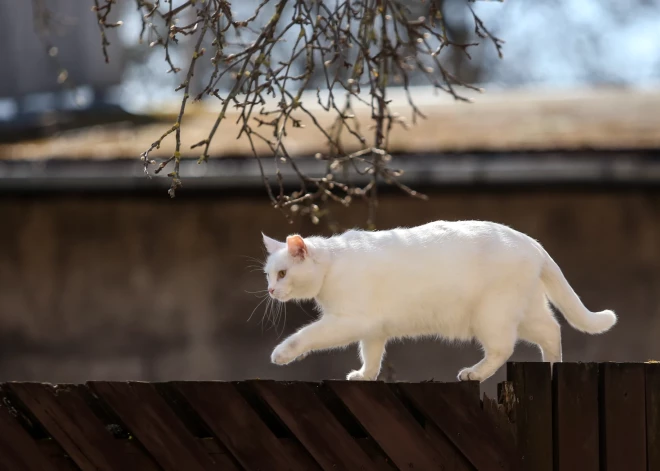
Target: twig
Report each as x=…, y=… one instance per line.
x=358, y=48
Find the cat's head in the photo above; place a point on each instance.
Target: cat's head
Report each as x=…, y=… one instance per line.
x=291, y=271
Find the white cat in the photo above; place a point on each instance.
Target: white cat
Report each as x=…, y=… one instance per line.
x=455, y=280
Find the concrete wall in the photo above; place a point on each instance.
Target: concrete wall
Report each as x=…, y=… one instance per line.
x=153, y=289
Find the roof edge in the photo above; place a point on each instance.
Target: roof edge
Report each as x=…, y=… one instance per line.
x=419, y=170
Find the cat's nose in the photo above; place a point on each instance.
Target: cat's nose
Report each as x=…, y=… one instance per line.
x=271, y=290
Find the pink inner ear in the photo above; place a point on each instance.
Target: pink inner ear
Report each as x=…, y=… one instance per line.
x=296, y=246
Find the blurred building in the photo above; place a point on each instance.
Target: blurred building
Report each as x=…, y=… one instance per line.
x=37, y=44
x=102, y=276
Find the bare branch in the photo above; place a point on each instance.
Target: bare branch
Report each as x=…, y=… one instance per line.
x=266, y=62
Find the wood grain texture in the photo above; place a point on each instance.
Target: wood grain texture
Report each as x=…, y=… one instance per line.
x=19, y=451
x=652, y=371
x=156, y=426
x=392, y=426
x=462, y=419
x=590, y=417
x=532, y=413
x=623, y=417
x=576, y=437
x=314, y=425
x=239, y=427
x=63, y=412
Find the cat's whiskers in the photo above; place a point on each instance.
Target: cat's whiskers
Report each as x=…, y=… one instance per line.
x=283, y=323
x=267, y=310
x=256, y=263
x=263, y=298
x=258, y=293
x=275, y=310
x=253, y=259
x=256, y=266
x=274, y=313
x=280, y=310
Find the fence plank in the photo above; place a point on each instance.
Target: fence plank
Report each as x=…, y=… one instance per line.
x=604, y=416
x=653, y=415
x=390, y=424
x=316, y=428
x=575, y=387
x=623, y=417
x=231, y=418
x=461, y=418
x=156, y=426
x=65, y=415
x=470, y=391
x=18, y=451
x=532, y=413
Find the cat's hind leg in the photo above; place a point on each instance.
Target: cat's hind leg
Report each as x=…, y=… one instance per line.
x=495, y=326
x=540, y=327
x=497, y=350
x=371, y=353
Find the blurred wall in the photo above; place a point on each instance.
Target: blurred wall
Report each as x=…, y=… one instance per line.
x=153, y=289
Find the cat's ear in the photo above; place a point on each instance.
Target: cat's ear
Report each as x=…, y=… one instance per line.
x=296, y=246
x=272, y=245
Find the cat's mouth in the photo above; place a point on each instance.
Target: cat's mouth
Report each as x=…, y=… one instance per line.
x=280, y=297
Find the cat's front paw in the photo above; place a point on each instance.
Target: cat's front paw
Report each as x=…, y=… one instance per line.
x=285, y=353
x=468, y=374
x=357, y=375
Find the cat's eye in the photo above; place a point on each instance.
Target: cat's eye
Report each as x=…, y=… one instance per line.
x=281, y=274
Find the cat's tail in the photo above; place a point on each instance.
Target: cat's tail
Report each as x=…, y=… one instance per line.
x=567, y=301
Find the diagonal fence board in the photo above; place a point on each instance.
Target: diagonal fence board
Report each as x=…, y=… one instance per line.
x=156, y=426
x=355, y=429
x=56, y=456
x=586, y=416
x=65, y=415
x=397, y=432
x=18, y=450
x=314, y=425
x=439, y=438
x=465, y=424
x=239, y=427
x=623, y=416
x=576, y=435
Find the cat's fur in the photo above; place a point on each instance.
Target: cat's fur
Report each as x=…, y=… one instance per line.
x=456, y=280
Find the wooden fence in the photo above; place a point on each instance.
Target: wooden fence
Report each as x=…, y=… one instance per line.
x=585, y=417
